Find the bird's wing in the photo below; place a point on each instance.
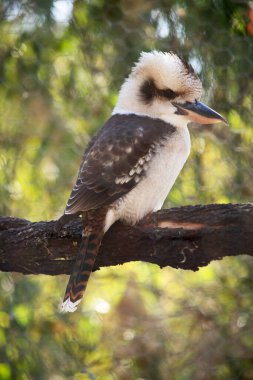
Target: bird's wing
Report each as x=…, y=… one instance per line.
x=116, y=159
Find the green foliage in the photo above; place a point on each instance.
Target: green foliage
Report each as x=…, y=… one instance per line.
x=62, y=63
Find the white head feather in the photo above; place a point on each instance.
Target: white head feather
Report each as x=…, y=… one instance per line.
x=168, y=72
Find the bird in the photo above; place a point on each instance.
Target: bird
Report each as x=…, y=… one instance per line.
x=132, y=162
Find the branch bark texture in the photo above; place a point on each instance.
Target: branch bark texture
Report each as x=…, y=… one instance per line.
x=187, y=237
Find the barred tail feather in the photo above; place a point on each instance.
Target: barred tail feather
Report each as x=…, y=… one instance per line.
x=82, y=271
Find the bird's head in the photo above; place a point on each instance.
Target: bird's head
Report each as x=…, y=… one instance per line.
x=162, y=85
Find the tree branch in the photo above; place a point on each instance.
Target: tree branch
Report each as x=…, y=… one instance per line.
x=186, y=237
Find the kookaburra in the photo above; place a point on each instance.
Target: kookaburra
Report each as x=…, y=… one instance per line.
x=130, y=165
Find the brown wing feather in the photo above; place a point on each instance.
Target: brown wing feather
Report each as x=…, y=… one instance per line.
x=115, y=160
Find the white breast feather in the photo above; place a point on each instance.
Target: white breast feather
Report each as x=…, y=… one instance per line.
x=149, y=195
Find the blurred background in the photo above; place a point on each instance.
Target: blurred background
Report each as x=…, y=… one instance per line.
x=61, y=65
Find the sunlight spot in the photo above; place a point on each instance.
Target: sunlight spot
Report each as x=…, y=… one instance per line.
x=7, y=284
x=15, y=189
x=128, y=334
x=102, y=306
x=162, y=29
x=62, y=10
x=196, y=64
x=242, y=321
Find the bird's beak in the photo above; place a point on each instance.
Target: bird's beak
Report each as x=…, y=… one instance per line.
x=199, y=113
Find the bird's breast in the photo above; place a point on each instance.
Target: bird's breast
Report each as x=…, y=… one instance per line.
x=150, y=193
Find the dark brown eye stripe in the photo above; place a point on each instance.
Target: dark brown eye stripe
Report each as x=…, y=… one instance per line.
x=167, y=93
x=149, y=91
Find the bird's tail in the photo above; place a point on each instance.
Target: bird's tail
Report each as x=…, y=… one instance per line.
x=82, y=269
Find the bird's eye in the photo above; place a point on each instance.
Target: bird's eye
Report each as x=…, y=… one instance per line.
x=168, y=94
x=149, y=91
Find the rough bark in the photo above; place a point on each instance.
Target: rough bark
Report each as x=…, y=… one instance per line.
x=186, y=237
